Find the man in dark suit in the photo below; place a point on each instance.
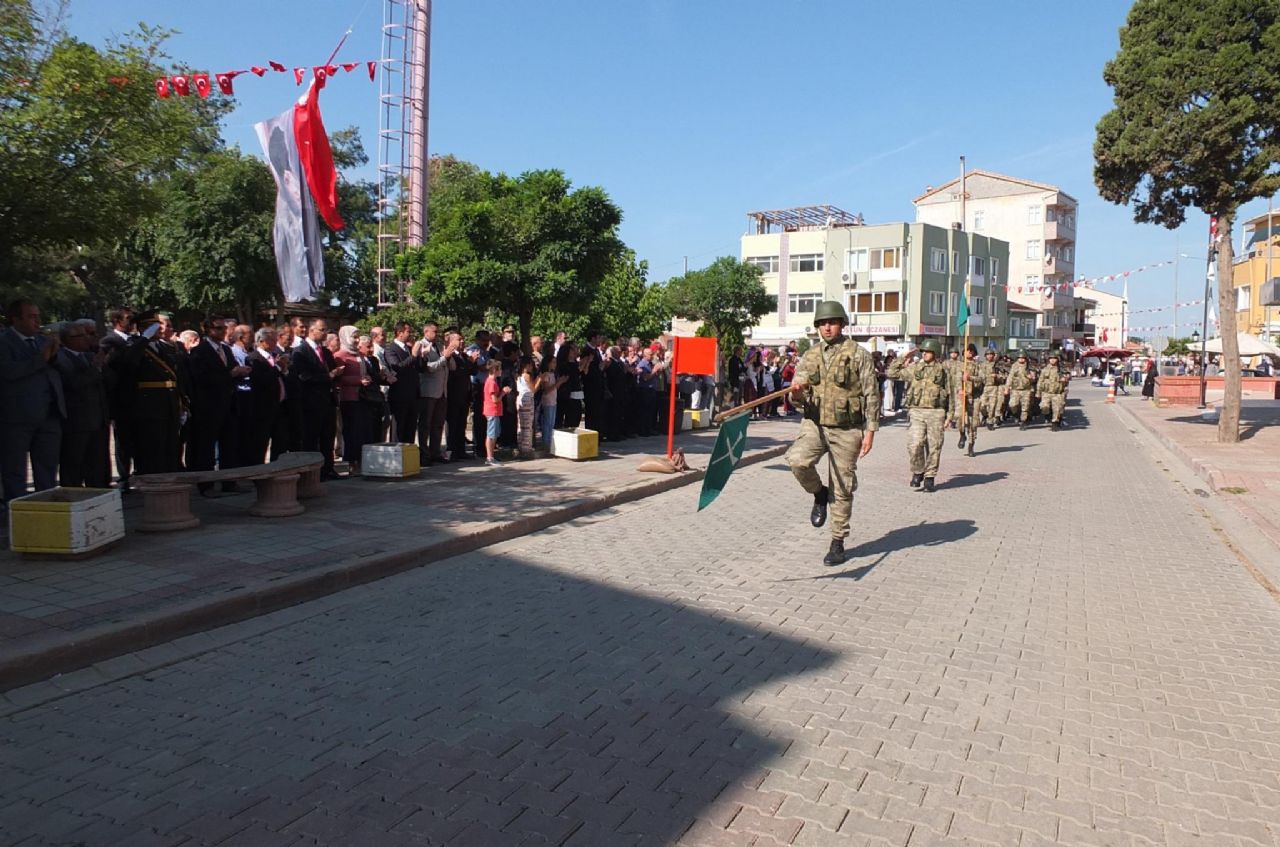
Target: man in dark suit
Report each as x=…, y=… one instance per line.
x=120, y=396
x=315, y=368
x=593, y=385
x=457, y=397
x=266, y=394
x=210, y=366
x=403, y=394
x=85, y=433
x=31, y=403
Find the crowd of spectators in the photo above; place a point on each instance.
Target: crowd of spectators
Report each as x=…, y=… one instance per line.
x=157, y=398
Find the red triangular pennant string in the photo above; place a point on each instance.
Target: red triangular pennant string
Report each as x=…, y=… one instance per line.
x=373, y=66
x=276, y=66
x=349, y=66
x=203, y=88
x=257, y=71
x=321, y=76
x=182, y=85
x=224, y=83
x=162, y=88
x=298, y=74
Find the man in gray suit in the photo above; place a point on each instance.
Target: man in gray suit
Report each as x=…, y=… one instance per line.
x=435, y=362
x=31, y=404
x=85, y=431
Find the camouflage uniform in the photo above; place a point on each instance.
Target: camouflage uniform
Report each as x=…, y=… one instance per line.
x=840, y=403
x=970, y=395
x=928, y=397
x=1020, y=386
x=1052, y=388
x=992, y=397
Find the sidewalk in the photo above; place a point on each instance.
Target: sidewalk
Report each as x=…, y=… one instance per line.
x=57, y=616
x=1246, y=474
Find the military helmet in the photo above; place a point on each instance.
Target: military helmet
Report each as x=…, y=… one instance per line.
x=990, y=351
x=829, y=309
x=1054, y=354
x=1020, y=354
x=931, y=345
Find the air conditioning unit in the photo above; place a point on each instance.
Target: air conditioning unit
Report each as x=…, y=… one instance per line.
x=844, y=277
x=1270, y=293
x=957, y=225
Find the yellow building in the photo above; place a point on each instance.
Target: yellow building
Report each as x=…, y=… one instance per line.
x=1257, y=306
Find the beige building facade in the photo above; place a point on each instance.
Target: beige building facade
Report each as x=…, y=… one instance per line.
x=1037, y=220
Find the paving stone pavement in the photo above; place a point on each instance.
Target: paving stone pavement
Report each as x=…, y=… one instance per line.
x=1003, y=662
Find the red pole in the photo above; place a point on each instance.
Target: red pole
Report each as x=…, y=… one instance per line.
x=671, y=404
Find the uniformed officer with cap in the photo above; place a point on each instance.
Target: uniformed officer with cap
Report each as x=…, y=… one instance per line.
x=929, y=394
x=147, y=382
x=836, y=388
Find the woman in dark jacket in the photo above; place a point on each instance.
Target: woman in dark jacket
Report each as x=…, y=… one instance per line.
x=1149, y=381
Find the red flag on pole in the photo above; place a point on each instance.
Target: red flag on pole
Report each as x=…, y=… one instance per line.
x=694, y=356
x=317, y=157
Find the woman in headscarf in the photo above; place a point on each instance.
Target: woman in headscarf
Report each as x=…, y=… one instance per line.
x=1149, y=381
x=355, y=417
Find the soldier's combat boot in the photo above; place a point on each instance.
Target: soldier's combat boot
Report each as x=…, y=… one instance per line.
x=916, y=479
x=928, y=485
x=991, y=426
x=1022, y=426
x=1053, y=427
x=969, y=452
x=818, y=516
x=835, y=556
x=962, y=440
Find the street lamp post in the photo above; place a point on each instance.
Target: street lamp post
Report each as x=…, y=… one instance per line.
x=1204, y=324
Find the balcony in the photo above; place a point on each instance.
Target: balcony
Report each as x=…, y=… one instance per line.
x=1056, y=265
x=1059, y=231
x=1083, y=328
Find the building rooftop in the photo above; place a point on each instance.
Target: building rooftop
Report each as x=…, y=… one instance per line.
x=802, y=217
x=1018, y=185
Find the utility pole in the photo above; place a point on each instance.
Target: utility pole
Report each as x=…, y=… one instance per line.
x=1266, y=310
x=417, y=99
x=1176, y=250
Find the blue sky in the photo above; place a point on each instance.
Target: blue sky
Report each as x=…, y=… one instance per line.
x=691, y=113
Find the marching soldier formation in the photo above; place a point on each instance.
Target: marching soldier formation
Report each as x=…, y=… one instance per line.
x=835, y=385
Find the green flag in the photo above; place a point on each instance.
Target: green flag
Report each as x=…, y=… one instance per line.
x=724, y=458
x=962, y=319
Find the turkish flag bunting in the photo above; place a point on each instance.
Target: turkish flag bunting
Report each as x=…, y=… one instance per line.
x=349, y=66
x=373, y=66
x=162, y=88
x=182, y=85
x=331, y=70
x=276, y=66
x=298, y=74
x=224, y=83
x=202, y=84
x=257, y=71
x=321, y=76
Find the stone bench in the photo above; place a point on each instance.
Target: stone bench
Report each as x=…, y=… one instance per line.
x=166, y=497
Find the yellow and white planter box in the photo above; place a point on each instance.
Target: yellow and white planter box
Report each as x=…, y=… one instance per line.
x=390, y=461
x=575, y=444
x=65, y=521
x=700, y=418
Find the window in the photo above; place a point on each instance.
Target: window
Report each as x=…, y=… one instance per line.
x=979, y=304
x=767, y=264
x=937, y=302
x=857, y=260
x=979, y=219
x=938, y=260
x=1242, y=297
x=1032, y=281
x=955, y=261
x=1050, y=214
x=802, y=304
x=955, y=303
x=873, y=302
x=977, y=266
x=1035, y=214
x=995, y=270
x=1033, y=249
x=804, y=262
x=1028, y=327
x=1015, y=324
x=885, y=257
x=773, y=299
x=1067, y=254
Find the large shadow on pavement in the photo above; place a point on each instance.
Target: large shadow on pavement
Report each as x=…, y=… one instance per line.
x=964, y=480
x=485, y=700
x=904, y=538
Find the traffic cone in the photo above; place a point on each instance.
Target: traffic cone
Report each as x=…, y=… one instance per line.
x=1111, y=391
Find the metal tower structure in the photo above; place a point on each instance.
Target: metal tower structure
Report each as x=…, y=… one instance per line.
x=402, y=138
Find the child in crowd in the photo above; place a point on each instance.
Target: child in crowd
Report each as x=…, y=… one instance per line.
x=493, y=395
x=524, y=406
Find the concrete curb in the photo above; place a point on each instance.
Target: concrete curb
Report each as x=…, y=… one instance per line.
x=52, y=656
x=1212, y=477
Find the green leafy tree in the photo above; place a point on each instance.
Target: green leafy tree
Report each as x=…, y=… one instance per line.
x=84, y=142
x=728, y=296
x=1178, y=347
x=351, y=253
x=626, y=303
x=1196, y=123
x=512, y=246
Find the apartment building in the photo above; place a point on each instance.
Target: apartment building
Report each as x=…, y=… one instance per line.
x=899, y=281
x=1037, y=220
x=1257, y=302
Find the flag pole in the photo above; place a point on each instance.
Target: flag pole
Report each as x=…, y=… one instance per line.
x=964, y=368
x=759, y=401
x=671, y=402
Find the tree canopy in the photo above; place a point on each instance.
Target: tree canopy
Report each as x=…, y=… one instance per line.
x=504, y=246
x=728, y=296
x=1197, y=109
